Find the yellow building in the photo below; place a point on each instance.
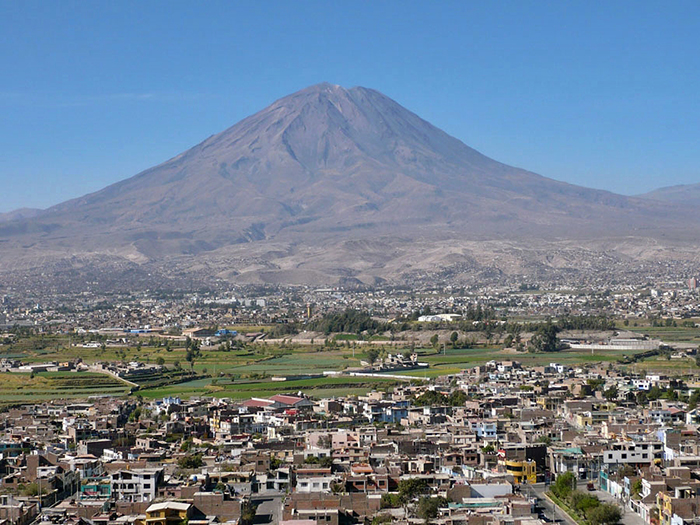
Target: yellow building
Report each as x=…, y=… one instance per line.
x=584, y=420
x=547, y=402
x=168, y=513
x=523, y=471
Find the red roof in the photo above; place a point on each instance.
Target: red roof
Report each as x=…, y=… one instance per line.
x=286, y=400
x=257, y=403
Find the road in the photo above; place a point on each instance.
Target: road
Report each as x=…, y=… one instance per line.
x=551, y=511
x=629, y=517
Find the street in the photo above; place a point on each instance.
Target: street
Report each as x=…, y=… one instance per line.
x=551, y=511
x=628, y=517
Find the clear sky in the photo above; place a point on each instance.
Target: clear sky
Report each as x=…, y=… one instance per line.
x=603, y=94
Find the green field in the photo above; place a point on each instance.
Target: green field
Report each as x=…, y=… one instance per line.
x=669, y=334
x=452, y=361
x=317, y=387
x=57, y=385
x=246, y=372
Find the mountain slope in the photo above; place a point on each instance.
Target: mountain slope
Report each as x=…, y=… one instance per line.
x=686, y=194
x=319, y=168
x=19, y=214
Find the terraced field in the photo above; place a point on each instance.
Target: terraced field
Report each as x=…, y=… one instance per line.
x=58, y=385
x=247, y=371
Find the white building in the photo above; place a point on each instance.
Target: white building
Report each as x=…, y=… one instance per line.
x=633, y=452
x=137, y=484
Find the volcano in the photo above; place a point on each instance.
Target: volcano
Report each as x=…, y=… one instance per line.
x=323, y=168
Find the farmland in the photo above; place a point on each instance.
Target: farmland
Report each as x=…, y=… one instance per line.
x=243, y=371
x=18, y=388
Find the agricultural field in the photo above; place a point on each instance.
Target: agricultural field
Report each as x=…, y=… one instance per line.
x=17, y=388
x=245, y=372
x=317, y=387
x=451, y=361
x=670, y=334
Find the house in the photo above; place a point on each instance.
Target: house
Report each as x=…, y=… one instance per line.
x=136, y=485
x=168, y=513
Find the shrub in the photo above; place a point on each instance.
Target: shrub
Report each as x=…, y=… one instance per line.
x=191, y=461
x=604, y=514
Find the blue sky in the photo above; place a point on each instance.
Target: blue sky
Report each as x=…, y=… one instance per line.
x=603, y=94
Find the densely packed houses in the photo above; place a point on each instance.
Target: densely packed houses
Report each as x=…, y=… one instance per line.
x=479, y=447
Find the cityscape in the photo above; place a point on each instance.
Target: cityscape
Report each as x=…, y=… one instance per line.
x=349, y=263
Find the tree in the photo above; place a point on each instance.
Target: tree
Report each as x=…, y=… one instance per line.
x=611, y=393
x=135, y=415
x=693, y=399
x=545, y=338
x=641, y=398
x=160, y=361
x=604, y=514
x=428, y=507
x=453, y=339
x=564, y=485
x=191, y=461
x=372, y=355
x=408, y=488
x=434, y=340
x=248, y=512
x=583, y=502
x=637, y=488
x=390, y=501
x=457, y=398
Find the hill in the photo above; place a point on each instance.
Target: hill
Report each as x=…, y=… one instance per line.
x=22, y=213
x=686, y=194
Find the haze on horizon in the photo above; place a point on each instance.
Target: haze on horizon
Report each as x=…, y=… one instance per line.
x=93, y=94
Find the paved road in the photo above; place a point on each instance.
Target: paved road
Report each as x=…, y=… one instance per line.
x=551, y=511
x=629, y=517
